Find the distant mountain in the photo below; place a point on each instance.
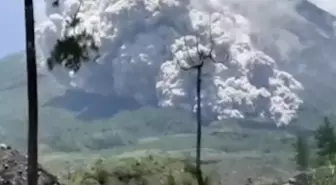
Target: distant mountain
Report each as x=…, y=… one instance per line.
x=292, y=44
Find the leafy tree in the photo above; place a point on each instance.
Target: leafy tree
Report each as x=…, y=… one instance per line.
x=75, y=47
x=32, y=93
x=202, y=57
x=326, y=142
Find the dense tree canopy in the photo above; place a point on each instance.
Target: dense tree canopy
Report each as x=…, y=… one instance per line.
x=75, y=47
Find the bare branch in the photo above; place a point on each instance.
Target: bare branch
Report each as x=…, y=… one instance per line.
x=199, y=52
x=74, y=21
x=212, y=59
x=183, y=67
x=55, y=3
x=187, y=50
x=202, y=55
x=212, y=43
x=179, y=63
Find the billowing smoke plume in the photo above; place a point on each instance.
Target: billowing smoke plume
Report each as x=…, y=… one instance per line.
x=141, y=40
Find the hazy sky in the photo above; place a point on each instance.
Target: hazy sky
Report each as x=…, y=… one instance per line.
x=327, y=5
x=12, y=34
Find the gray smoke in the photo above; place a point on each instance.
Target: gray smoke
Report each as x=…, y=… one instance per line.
x=141, y=41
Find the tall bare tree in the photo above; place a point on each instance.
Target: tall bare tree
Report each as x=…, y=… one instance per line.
x=202, y=56
x=32, y=93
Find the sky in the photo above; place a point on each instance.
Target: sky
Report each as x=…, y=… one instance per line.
x=12, y=37
x=327, y=5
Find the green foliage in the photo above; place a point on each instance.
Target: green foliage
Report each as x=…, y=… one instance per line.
x=145, y=170
x=324, y=173
x=326, y=142
x=302, y=152
x=324, y=176
x=74, y=48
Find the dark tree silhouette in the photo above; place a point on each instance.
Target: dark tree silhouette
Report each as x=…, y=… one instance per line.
x=202, y=57
x=32, y=93
x=72, y=50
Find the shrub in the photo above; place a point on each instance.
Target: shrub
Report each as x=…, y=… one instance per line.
x=146, y=170
x=324, y=176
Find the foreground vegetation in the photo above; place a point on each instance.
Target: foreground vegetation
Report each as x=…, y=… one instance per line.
x=145, y=170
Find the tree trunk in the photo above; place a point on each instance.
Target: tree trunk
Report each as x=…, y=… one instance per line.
x=31, y=93
x=199, y=126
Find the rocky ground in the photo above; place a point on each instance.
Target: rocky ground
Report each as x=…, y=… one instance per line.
x=13, y=169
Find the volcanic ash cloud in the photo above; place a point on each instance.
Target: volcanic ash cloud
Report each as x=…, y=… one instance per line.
x=141, y=40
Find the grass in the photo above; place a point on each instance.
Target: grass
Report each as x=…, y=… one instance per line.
x=146, y=170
